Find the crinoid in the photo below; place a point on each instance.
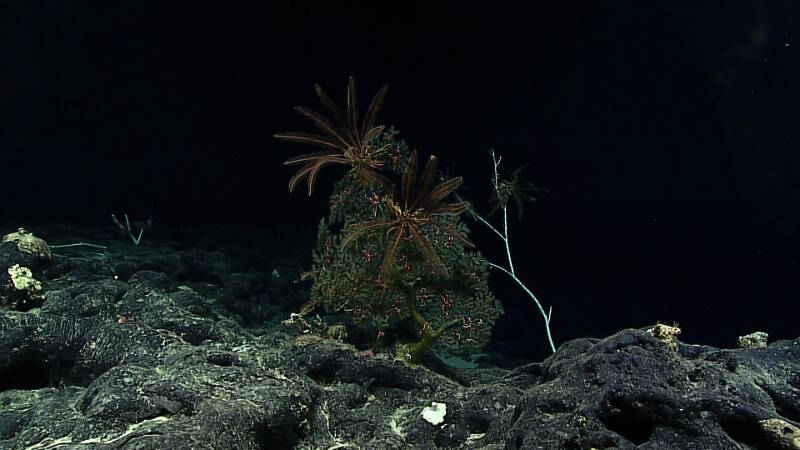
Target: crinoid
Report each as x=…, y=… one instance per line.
x=420, y=201
x=343, y=140
x=514, y=188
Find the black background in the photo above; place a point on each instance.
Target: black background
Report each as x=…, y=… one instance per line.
x=666, y=134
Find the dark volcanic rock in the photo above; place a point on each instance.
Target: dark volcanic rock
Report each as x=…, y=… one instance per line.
x=149, y=361
x=630, y=391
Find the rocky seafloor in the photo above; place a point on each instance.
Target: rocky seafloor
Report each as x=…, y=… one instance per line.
x=180, y=344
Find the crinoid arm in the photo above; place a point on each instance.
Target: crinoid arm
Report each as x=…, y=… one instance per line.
x=343, y=141
x=326, y=126
x=368, y=126
x=309, y=139
x=358, y=230
x=312, y=163
x=391, y=252
x=424, y=247
x=425, y=183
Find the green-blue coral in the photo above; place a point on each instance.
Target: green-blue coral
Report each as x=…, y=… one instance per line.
x=451, y=307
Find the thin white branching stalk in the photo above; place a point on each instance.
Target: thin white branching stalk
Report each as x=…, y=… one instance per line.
x=79, y=244
x=506, y=241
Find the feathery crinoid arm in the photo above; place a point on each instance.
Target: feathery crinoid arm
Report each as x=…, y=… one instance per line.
x=409, y=178
x=341, y=138
x=432, y=201
x=360, y=229
x=427, y=251
x=312, y=163
x=425, y=183
x=326, y=126
x=368, y=127
x=352, y=111
x=309, y=139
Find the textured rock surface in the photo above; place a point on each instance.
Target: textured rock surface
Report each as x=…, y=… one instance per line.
x=145, y=361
